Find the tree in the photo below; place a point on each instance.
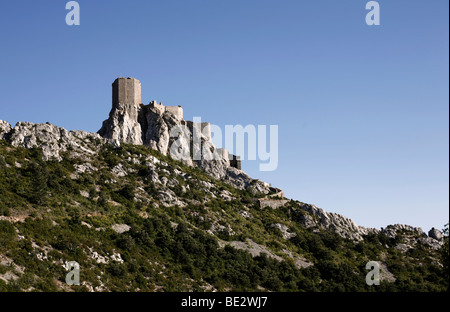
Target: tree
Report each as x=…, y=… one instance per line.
x=39, y=178
x=128, y=191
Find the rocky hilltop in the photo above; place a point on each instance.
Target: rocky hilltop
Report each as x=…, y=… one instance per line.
x=138, y=220
x=151, y=126
x=119, y=128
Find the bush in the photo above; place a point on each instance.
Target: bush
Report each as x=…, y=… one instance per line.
x=117, y=270
x=128, y=192
x=7, y=234
x=126, y=242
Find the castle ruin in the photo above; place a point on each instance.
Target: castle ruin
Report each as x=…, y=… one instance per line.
x=127, y=91
x=177, y=111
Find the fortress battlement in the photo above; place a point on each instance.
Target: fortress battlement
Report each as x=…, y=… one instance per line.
x=177, y=111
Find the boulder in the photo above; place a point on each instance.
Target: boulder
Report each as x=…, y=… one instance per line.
x=120, y=228
x=284, y=230
x=436, y=234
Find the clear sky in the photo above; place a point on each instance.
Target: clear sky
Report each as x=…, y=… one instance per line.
x=362, y=111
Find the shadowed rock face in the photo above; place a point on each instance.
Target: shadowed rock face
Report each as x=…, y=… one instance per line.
x=436, y=234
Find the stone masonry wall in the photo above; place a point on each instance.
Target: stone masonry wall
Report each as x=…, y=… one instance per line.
x=176, y=110
x=126, y=91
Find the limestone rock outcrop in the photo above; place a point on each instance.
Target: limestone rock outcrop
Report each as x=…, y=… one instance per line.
x=393, y=230
x=51, y=139
x=343, y=226
x=5, y=128
x=122, y=124
x=436, y=234
x=311, y=216
x=284, y=230
x=411, y=236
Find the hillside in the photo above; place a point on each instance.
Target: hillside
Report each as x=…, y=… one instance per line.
x=150, y=204
x=137, y=220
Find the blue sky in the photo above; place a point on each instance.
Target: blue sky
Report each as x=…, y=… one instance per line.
x=362, y=111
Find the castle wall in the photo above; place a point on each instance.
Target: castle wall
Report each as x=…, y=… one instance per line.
x=235, y=161
x=176, y=110
x=272, y=203
x=126, y=91
x=279, y=194
x=159, y=107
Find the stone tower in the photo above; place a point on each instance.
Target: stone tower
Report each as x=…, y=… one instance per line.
x=126, y=91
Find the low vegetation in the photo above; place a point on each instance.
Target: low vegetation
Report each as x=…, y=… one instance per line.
x=50, y=214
